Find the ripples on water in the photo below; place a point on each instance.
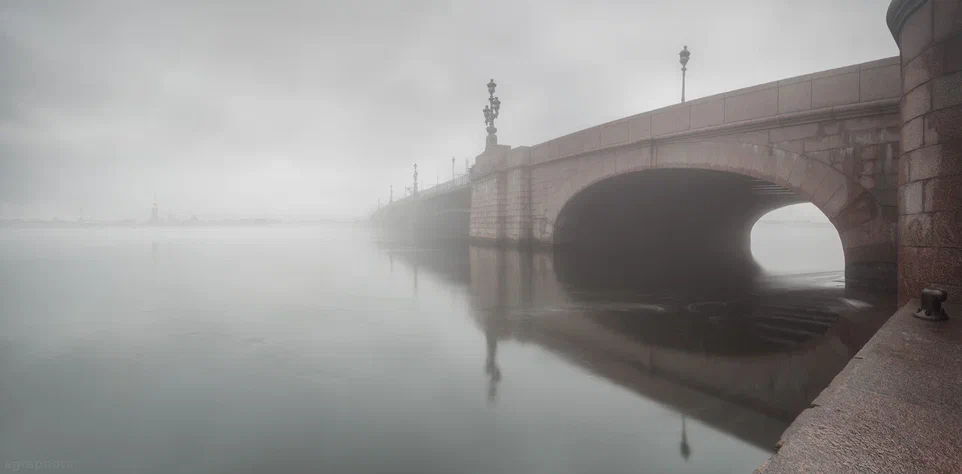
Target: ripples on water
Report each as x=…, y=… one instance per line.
x=323, y=349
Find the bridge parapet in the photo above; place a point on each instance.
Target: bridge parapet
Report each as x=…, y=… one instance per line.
x=807, y=97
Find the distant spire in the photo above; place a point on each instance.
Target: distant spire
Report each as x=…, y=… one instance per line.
x=415, y=188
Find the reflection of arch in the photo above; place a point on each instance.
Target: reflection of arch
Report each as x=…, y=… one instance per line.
x=865, y=227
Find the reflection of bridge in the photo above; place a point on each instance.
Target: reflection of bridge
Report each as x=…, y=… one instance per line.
x=750, y=360
x=689, y=180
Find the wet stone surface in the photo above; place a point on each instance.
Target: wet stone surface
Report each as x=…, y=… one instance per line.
x=894, y=408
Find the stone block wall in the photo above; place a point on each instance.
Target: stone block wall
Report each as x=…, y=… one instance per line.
x=485, y=208
x=832, y=89
x=929, y=34
x=861, y=155
x=517, y=198
x=501, y=190
x=516, y=208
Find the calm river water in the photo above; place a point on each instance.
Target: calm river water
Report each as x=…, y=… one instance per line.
x=324, y=349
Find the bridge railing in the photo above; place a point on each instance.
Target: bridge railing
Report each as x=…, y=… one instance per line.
x=446, y=186
x=441, y=188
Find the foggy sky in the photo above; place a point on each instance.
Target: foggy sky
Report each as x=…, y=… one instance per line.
x=313, y=108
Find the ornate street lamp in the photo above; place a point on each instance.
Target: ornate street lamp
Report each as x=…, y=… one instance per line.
x=683, y=58
x=490, y=113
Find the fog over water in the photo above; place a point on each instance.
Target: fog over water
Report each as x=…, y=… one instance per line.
x=298, y=108
x=175, y=295
x=327, y=349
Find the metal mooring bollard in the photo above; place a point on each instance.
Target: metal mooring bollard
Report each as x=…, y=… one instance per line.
x=931, y=309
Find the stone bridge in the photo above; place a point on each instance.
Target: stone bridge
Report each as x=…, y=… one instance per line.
x=683, y=185
x=876, y=146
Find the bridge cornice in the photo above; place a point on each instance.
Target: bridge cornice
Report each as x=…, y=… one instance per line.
x=852, y=111
x=506, y=159
x=861, y=89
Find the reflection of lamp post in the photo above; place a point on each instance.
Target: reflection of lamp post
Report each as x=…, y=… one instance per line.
x=685, y=449
x=491, y=364
x=683, y=58
x=491, y=113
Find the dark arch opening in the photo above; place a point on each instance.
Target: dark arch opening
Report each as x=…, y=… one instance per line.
x=680, y=241
x=678, y=228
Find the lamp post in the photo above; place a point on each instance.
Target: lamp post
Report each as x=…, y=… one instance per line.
x=452, y=168
x=490, y=113
x=392, y=194
x=683, y=58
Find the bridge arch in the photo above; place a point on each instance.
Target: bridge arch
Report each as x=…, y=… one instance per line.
x=687, y=186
